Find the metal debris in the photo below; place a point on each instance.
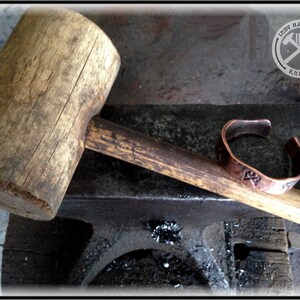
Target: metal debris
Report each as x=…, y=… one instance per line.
x=164, y=231
x=150, y=269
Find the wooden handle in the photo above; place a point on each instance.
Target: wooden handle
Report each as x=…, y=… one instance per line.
x=125, y=144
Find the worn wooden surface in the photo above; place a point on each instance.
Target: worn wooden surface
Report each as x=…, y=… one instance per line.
x=56, y=71
x=265, y=267
x=37, y=253
x=256, y=260
x=114, y=140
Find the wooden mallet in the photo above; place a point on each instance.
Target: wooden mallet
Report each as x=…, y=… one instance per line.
x=56, y=71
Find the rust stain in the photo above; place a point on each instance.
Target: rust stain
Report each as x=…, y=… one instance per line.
x=116, y=19
x=134, y=85
x=213, y=26
x=156, y=25
x=162, y=23
x=120, y=19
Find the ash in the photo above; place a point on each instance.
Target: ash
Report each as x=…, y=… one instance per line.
x=164, y=231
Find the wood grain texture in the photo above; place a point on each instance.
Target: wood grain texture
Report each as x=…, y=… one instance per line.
x=125, y=144
x=56, y=71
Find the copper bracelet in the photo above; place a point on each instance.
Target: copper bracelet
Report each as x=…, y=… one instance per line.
x=247, y=174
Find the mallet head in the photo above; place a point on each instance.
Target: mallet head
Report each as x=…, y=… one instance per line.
x=56, y=71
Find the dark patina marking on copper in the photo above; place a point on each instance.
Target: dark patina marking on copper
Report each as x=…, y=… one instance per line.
x=252, y=176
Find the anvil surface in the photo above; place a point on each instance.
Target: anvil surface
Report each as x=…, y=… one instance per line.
x=100, y=178
x=115, y=200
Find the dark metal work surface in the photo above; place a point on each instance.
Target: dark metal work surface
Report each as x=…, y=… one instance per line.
x=195, y=128
x=221, y=246
x=119, y=198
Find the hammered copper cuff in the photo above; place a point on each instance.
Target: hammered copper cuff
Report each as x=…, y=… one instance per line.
x=244, y=172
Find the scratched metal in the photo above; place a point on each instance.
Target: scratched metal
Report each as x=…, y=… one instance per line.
x=195, y=127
